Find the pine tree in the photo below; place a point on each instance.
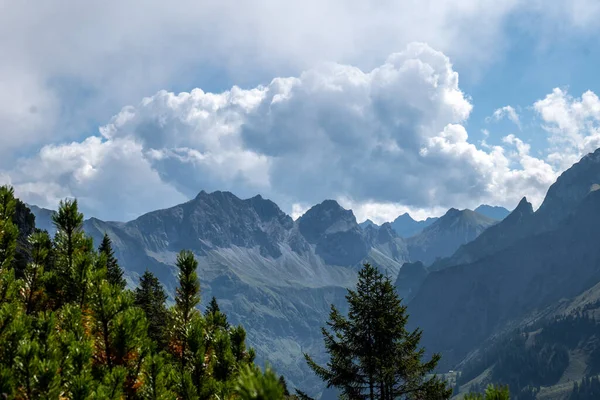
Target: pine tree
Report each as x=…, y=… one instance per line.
x=34, y=276
x=214, y=317
x=68, y=329
x=8, y=230
x=150, y=297
x=114, y=273
x=372, y=355
x=253, y=384
x=492, y=392
x=158, y=379
x=187, y=325
x=283, y=384
x=73, y=253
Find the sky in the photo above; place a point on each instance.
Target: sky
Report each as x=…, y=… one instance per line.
x=386, y=106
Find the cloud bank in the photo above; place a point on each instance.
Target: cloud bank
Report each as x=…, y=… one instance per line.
x=383, y=141
x=65, y=65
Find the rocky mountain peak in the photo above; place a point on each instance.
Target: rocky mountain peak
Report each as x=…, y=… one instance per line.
x=570, y=188
x=326, y=218
x=495, y=212
x=386, y=233
x=405, y=226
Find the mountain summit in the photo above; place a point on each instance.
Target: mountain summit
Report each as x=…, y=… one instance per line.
x=406, y=226
x=494, y=212
x=446, y=234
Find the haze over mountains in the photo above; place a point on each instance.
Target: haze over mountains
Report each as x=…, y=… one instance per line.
x=275, y=275
x=467, y=277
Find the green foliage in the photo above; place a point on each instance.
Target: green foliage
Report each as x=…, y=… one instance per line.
x=114, y=273
x=538, y=357
x=492, y=392
x=587, y=389
x=150, y=297
x=255, y=385
x=372, y=354
x=69, y=329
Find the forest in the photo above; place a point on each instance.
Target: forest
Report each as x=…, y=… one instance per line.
x=70, y=328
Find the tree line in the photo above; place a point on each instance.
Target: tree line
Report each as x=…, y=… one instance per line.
x=71, y=329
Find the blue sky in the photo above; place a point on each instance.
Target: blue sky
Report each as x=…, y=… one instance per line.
x=352, y=100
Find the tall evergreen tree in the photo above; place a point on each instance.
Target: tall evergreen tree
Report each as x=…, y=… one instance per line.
x=150, y=297
x=372, y=354
x=73, y=254
x=187, y=327
x=492, y=392
x=34, y=275
x=69, y=330
x=215, y=318
x=114, y=273
x=8, y=230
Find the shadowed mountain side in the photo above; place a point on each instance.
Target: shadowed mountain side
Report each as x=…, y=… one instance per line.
x=409, y=280
x=493, y=239
x=494, y=212
x=444, y=236
x=471, y=301
x=405, y=226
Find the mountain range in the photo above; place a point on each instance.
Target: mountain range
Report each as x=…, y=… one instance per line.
x=523, y=270
x=274, y=275
x=469, y=277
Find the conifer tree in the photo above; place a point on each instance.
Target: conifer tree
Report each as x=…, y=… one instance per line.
x=114, y=273
x=492, y=392
x=254, y=384
x=372, y=355
x=187, y=328
x=73, y=252
x=70, y=330
x=150, y=297
x=8, y=230
x=158, y=379
x=34, y=275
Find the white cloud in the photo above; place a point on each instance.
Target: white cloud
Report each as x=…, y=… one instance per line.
x=65, y=65
x=506, y=112
x=110, y=178
x=573, y=125
x=388, y=140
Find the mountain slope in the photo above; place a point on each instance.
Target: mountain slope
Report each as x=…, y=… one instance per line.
x=275, y=276
x=405, y=226
x=517, y=225
x=494, y=212
x=472, y=301
x=446, y=234
x=571, y=187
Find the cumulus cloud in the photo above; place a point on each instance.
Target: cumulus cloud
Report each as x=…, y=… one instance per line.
x=64, y=65
x=111, y=179
x=383, y=141
x=506, y=112
x=573, y=125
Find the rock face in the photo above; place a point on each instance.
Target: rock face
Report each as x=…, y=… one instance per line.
x=43, y=218
x=517, y=225
x=447, y=234
x=368, y=223
x=335, y=233
x=519, y=267
x=405, y=226
x=409, y=280
x=494, y=212
x=275, y=276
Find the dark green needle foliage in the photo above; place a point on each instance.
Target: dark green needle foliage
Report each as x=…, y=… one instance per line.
x=70, y=330
x=492, y=392
x=150, y=297
x=372, y=354
x=114, y=273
